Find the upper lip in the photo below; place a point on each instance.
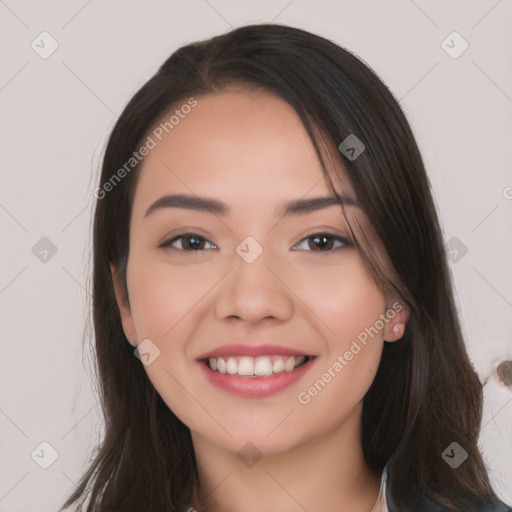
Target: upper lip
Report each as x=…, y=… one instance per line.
x=254, y=350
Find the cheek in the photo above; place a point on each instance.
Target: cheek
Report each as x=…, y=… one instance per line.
x=163, y=297
x=349, y=308
x=345, y=299
x=165, y=304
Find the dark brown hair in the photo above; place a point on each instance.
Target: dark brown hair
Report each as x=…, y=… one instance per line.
x=426, y=393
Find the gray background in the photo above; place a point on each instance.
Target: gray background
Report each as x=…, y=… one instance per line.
x=57, y=111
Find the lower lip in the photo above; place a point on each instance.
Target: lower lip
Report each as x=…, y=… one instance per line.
x=255, y=387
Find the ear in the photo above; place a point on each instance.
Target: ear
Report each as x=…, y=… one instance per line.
x=397, y=314
x=124, y=309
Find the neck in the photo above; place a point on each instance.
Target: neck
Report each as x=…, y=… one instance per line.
x=326, y=473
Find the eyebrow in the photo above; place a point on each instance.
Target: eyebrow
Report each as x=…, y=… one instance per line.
x=207, y=204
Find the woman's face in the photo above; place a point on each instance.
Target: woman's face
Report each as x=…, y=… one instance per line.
x=259, y=288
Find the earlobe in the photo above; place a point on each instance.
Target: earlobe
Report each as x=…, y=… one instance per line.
x=397, y=331
x=395, y=328
x=124, y=309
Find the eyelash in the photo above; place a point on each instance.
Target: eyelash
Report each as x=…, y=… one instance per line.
x=167, y=243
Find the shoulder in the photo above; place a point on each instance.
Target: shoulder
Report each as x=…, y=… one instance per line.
x=425, y=504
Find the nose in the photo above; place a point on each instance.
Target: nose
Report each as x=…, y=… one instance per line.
x=253, y=292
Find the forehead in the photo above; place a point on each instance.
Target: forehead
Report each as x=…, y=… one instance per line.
x=234, y=144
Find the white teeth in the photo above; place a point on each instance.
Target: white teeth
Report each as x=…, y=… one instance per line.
x=289, y=364
x=299, y=360
x=231, y=366
x=246, y=366
x=221, y=365
x=262, y=366
x=278, y=365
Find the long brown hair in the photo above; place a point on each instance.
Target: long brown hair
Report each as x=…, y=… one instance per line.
x=426, y=393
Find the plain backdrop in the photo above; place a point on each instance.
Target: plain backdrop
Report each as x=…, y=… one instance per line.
x=56, y=111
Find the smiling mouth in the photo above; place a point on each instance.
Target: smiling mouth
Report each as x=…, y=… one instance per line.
x=261, y=366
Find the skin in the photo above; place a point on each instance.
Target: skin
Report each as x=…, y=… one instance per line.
x=250, y=150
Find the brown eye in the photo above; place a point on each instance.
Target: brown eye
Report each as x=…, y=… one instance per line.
x=321, y=242
x=324, y=242
x=188, y=242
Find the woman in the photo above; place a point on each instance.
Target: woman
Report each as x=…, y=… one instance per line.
x=273, y=312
